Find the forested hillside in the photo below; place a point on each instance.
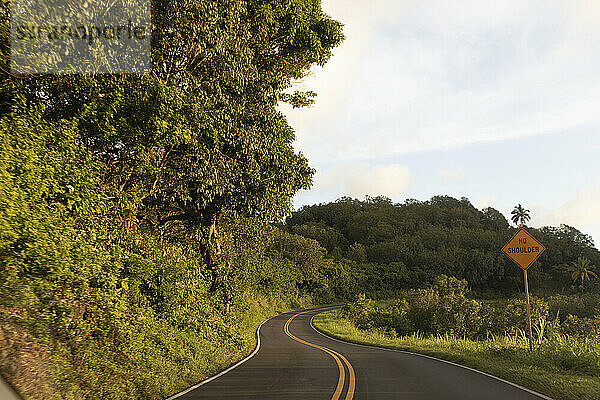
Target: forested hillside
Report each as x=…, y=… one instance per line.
x=387, y=246
x=136, y=252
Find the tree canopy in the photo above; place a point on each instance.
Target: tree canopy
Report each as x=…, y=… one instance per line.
x=201, y=134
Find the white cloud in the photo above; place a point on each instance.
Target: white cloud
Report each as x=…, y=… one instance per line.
x=484, y=202
x=418, y=76
x=452, y=174
x=360, y=179
x=582, y=211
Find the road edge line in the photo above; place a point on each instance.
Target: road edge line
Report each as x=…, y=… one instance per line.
x=212, y=378
x=533, y=392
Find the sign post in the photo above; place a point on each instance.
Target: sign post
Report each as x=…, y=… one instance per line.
x=528, y=310
x=523, y=249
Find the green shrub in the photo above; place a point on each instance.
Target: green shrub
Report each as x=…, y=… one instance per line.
x=458, y=315
x=360, y=312
x=511, y=314
x=581, y=326
x=585, y=305
x=393, y=317
x=445, y=309
x=422, y=306
x=450, y=286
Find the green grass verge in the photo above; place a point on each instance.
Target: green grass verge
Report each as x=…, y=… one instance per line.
x=158, y=362
x=562, y=371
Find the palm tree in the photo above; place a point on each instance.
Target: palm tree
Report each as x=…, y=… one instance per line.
x=520, y=216
x=581, y=270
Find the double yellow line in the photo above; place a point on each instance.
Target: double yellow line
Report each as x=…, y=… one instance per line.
x=336, y=356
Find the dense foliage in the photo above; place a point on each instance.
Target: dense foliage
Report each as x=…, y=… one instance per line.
x=445, y=308
x=201, y=134
x=388, y=246
x=93, y=305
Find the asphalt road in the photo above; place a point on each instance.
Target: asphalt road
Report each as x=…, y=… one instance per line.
x=6, y=392
x=296, y=362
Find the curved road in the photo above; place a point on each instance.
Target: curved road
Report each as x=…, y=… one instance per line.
x=296, y=362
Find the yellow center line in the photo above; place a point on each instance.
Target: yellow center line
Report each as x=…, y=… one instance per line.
x=336, y=356
x=340, y=385
x=351, y=380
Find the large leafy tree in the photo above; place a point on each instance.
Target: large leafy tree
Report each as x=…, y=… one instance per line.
x=200, y=134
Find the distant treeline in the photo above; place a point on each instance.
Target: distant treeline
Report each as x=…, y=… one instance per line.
x=386, y=246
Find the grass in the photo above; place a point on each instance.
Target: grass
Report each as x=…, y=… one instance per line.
x=565, y=369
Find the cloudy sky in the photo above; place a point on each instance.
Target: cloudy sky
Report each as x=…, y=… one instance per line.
x=498, y=101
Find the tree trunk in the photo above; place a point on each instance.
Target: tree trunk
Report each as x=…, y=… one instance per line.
x=213, y=251
x=208, y=239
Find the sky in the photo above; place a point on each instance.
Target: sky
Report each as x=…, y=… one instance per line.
x=497, y=101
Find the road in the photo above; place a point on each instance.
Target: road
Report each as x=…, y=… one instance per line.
x=6, y=392
x=296, y=362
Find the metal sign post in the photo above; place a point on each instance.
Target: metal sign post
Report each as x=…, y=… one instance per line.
x=523, y=250
x=528, y=310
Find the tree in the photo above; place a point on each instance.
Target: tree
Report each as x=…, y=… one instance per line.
x=441, y=236
x=357, y=253
x=494, y=219
x=581, y=270
x=328, y=237
x=306, y=254
x=201, y=134
x=520, y=216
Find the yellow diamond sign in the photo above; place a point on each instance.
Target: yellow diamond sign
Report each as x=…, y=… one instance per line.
x=523, y=249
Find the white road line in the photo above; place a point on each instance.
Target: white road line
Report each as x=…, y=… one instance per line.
x=432, y=358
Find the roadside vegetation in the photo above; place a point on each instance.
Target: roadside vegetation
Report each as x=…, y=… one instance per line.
x=442, y=321
x=137, y=251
